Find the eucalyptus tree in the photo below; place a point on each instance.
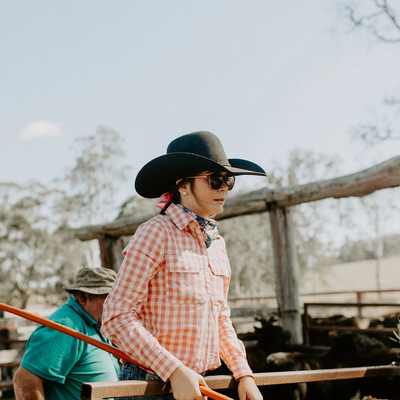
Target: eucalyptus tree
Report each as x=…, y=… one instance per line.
x=89, y=191
x=34, y=252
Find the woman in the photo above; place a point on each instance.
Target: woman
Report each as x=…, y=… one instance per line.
x=168, y=308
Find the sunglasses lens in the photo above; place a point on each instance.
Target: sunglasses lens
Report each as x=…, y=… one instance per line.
x=230, y=182
x=216, y=181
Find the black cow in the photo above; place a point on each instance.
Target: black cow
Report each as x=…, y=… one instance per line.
x=386, y=321
x=270, y=338
x=349, y=350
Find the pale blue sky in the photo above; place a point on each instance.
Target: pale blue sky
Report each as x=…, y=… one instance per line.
x=265, y=76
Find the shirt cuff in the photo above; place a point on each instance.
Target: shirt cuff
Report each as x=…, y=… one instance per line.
x=165, y=370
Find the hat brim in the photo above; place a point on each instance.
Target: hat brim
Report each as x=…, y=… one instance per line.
x=159, y=175
x=88, y=289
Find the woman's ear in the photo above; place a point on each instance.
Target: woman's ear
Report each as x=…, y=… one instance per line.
x=184, y=189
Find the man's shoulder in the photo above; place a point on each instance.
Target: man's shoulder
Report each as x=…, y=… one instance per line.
x=68, y=316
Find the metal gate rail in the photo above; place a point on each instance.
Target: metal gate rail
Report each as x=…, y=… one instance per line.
x=307, y=327
x=105, y=390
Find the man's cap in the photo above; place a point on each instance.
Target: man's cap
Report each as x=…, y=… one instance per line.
x=93, y=281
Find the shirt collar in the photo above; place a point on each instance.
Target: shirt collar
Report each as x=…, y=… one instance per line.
x=182, y=218
x=78, y=308
x=178, y=216
x=207, y=226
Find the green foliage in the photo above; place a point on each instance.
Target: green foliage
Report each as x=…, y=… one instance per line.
x=38, y=250
x=88, y=190
x=137, y=206
x=312, y=220
x=33, y=255
x=361, y=250
x=248, y=242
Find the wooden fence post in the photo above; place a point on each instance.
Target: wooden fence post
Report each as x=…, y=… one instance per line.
x=110, y=251
x=286, y=270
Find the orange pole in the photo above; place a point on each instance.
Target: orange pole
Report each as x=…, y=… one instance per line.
x=206, y=391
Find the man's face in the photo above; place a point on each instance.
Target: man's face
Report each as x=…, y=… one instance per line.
x=94, y=307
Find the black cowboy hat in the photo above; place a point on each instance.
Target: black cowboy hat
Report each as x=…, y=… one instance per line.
x=189, y=155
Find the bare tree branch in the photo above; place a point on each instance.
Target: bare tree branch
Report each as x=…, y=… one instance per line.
x=381, y=20
x=373, y=134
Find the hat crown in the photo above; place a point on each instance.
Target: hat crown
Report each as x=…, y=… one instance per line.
x=95, y=277
x=202, y=143
x=93, y=280
x=189, y=155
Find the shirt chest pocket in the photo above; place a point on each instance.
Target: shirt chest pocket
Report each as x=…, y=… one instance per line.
x=220, y=275
x=184, y=279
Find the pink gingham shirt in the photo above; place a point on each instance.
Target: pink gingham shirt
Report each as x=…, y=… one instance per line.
x=169, y=303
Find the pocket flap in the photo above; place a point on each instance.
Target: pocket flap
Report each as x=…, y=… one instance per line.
x=220, y=267
x=185, y=264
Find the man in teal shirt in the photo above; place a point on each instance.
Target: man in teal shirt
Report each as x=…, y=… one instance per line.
x=55, y=365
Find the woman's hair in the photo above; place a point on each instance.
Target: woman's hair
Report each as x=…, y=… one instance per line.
x=176, y=196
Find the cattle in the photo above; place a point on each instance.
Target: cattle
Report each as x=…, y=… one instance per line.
x=386, y=321
x=381, y=387
x=325, y=337
x=272, y=353
x=270, y=338
x=348, y=350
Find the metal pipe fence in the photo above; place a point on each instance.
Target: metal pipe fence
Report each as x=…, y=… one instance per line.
x=307, y=327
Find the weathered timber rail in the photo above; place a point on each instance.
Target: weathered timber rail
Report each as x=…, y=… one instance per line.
x=381, y=176
x=105, y=390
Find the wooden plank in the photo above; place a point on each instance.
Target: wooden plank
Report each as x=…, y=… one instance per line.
x=103, y=390
x=9, y=364
x=325, y=304
x=350, y=329
x=7, y=341
x=381, y=176
x=286, y=271
x=110, y=252
x=280, y=378
x=356, y=292
x=252, y=312
x=5, y=384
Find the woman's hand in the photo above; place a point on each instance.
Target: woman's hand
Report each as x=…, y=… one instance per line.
x=248, y=389
x=185, y=384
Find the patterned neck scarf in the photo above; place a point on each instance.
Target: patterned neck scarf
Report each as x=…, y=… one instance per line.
x=207, y=226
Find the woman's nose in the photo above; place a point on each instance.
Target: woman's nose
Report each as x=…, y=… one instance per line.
x=224, y=187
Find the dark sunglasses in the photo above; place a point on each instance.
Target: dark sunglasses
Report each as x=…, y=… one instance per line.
x=216, y=181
